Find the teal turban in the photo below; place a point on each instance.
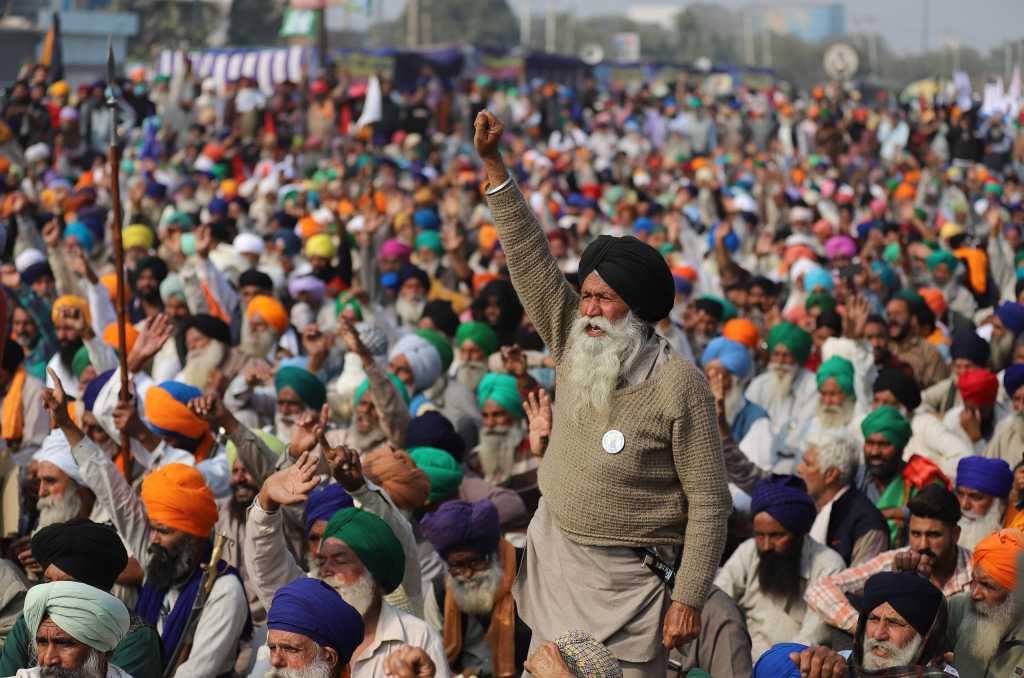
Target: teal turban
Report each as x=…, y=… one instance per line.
x=399, y=386
x=443, y=471
x=431, y=240
x=373, y=541
x=306, y=384
x=501, y=388
x=942, y=257
x=793, y=338
x=443, y=346
x=480, y=334
x=890, y=423
x=839, y=369
x=87, y=614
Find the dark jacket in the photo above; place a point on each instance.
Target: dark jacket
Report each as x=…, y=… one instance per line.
x=853, y=515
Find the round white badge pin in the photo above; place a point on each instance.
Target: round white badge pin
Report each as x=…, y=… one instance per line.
x=613, y=442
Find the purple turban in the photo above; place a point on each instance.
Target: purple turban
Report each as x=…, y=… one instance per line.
x=991, y=476
x=785, y=498
x=309, y=284
x=1013, y=378
x=324, y=502
x=311, y=608
x=840, y=246
x=460, y=523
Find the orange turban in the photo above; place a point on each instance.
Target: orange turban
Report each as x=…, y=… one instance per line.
x=487, y=237
x=130, y=336
x=904, y=192
x=176, y=496
x=229, y=187
x=977, y=267
x=684, y=271
x=998, y=553
x=741, y=330
x=270, y=310
x=166, y=408
x=109, y=281
x=397, y=473
x=935, y=300
x=480, y=280
x=71, y=301
x=308, y=227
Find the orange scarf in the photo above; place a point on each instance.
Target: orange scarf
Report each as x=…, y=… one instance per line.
x=501, y=634
x=13, y=413
x=977, y=267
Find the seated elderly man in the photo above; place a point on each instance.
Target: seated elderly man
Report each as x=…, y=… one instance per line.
x=76, y=627
x=983, y=487
x=968, y=351
x=1008, y=439
x=786, y=390
x=482, y=631
x=63, y=493
x=768, y=574
x=264, y=327
x=837, y=402
x=727, y=365
x=901, y=632
x=503, y=456
x=474, y=342
x=974, y=421
x=311, y=631
x=90, y=553
x=416, y=362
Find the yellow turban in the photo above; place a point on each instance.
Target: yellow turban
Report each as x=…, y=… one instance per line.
x=71, y=301
x=138, y=235
x=175, y=495
x=59, y=89
x=320, y=245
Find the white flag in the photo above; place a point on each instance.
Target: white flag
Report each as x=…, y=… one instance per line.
x=1013, y=96
x=963, y=91
x=372, y=105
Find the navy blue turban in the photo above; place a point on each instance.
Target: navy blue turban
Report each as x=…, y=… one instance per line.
x=991, y=476
x=311, y=608
x=635, y=270
x=324, y=502
x=1013, y=378
x=92, y=391
x=967, y=344
x=785, y=498
x=914, y=597
x=460, y=523
x=433, y=429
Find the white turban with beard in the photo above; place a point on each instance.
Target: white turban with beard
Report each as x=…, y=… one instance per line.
x=593, y=364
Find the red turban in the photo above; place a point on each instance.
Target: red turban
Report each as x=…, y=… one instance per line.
x=978, y=387
x=998, y=553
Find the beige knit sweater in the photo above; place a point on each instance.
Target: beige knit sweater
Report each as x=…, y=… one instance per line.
x=667, y=486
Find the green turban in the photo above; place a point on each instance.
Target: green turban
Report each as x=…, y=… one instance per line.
x=374, y=543
x=444, y=472
x=911, y=297
x=80, y=362
x=431, y=240
x=443, y=346
x=793, y=338
x=341, y=303
x=823, y=300
x=480, y=334
x=306, y=384
x=942, y=257
x=501, y=388
x=399, y=386
x=889, y=422
x=891, y=253
x=272, y=443
x=839, y=369
x=87, y=614
x=728, y=308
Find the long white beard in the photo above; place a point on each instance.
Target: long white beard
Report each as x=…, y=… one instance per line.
x=1018, y=423
x=60, y=509
x=974, y=528
x=593, y=364
x=470, y=374
x=835, y=416
x=431, y=267
x=988, y=625
x=897, y=656
x=360, y=595
x=318, y=668
x=200, y=362
x=284, y=428
x=782, y=380
x=497, y=452
x=257, y=344
x=734, y=400
x=475, y=595
x=410, y=310
x=91, y=667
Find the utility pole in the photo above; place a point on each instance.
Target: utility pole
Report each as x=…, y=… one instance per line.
x=426, y=16
x=412, y=23
x=550, y=39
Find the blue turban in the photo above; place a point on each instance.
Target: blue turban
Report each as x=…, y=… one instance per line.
x=156, y=190
x=732, y=354
x=785, y=498
x=311, y=608
x=92, y=391
x=968, y=345
x=1013, y=378
x=463, y=524
x=991, y=476
x=817, y=277
x=218, y=207
x=885, y=273
x=81, y=233
x=731, y=242
x=292, y=242
x=426, y=219
x=324, y=502
x=1011, y=314
x=775, y=662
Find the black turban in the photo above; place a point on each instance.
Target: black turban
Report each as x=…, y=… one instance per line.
x=914, y=597
x=433, y=429
x=442, y=315
x=967, y=344
x=254, y=278
x=90, y=552
x=38, y=270
x=901, y=385
x=711, y=307
x=635, y=270
x=413, y=272
x=156, y=265
x=210, y=326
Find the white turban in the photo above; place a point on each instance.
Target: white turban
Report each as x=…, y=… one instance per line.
x=37, y=152
x=423, y=359
x=249, y=243
x=27, y=258
x=56, y=450
x=87, y=614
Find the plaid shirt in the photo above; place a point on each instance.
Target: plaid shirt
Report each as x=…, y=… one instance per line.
x=827, y=596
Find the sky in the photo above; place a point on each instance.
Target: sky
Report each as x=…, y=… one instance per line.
x=981, y=24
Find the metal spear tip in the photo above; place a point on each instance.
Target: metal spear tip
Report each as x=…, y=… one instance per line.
x=110, y=60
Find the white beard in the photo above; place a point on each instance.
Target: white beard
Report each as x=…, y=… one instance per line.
x=781, y=383
x=988, y=627
x=593, y=364
x=360, y=595
x=974, y=528
x=734, y=400
x=318, y=668
x=284, y=428
x=60, y=509
x=905, y=656
x=470, y=374
x=835, y=416
x=431, y=267
x=497, y=451
x=200, y=362
x=91, y=667
x=410, y=310
x=475, y=595
x=1018, y=424
x=257, y=345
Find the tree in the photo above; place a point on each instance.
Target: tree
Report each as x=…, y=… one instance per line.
x=255, y=23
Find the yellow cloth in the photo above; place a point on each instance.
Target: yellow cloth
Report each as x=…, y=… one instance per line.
x=320, y=245
x=71, y=301
x=13, y=413
x=138, y=235
x=176, y=496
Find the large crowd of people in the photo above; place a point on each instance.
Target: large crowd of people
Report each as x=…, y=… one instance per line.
x=509, y=379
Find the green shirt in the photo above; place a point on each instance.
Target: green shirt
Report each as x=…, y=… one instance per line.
x=1009, y=657
x=138, y=653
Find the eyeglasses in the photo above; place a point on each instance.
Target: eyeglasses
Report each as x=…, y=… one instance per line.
x=468, y=568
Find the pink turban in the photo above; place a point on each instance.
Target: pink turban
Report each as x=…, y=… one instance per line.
x=395, y=249
x=840, y=246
